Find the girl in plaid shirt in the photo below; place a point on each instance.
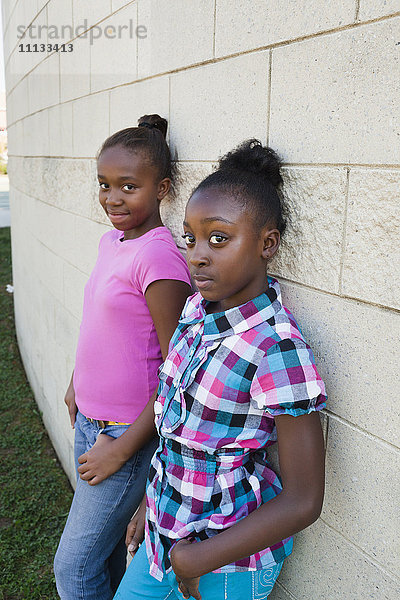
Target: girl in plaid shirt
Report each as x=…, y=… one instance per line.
x=238, y=377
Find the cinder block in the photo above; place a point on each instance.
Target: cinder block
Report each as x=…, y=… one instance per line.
x=130, y=102
x=312, y=245
x=12, y=139
x=177, y=34
x=96, y=211
x=325, y=566
x=74, y=284
x=173, y=208
x=28, y=177
x=67, y=329
x=361, y=494
x=90, y=117
x=21, y=17
x=49, y=272
x=8, y=42
x=36, y=135
x=89, y=12
x=279, y=593
x=68, y=184
x=87, y=237
x=372, y=9
x=60, y=130
x=75, y=70
x=10, y=102
x=39, y=34
x=117, y=4
x=35, y=24
x=10, y=72
x=239, y=27
x=44, y=84
x=59, y=20
x=55, y=229
x=6, y=10
x=334, y=98
x=19, y=99
x=359, y=366
x=113, y=58
x=215, y=107
x=373, y=237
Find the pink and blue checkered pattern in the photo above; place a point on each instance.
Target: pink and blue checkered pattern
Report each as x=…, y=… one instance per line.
x=226, y=377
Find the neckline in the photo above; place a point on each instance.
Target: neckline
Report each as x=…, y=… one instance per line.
x=120, y=238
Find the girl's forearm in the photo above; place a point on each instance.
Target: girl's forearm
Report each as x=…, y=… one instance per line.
x=138, y=434
x=270, y=523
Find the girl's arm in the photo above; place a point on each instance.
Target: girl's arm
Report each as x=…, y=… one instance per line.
x=69, y=400
x=301, y=459
x=165, y=299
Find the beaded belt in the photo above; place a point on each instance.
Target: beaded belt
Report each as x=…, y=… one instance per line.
x=103, y=424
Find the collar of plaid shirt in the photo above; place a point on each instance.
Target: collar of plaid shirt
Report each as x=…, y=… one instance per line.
x=237, y=319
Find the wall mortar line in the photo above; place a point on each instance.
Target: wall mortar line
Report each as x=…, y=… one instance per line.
x=312, y=288
x=344, y=233
x=357, y=14
x=242, y=53
x=287, y=592
x=373, y=438
x=269, y=92
x=365, y=554
x=215, y=26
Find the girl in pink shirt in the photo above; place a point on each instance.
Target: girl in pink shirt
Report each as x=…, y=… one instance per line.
x=131, y=307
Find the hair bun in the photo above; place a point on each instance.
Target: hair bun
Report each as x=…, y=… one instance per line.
x=154, y=122
x=252, y=156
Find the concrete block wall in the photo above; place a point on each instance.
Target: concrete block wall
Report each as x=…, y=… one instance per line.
x=317, y=81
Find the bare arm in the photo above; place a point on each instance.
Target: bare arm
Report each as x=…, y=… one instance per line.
x=69, y=400
x=301, y=457
x=165, y=299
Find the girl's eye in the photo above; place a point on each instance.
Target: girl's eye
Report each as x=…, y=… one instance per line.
x=129, y=187
x=103, y=186
x=217, y=239
x=189, y=238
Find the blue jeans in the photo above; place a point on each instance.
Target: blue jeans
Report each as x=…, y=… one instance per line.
x=138, y=584
x=91, y=556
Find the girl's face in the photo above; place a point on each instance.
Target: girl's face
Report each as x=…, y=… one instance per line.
x=226, y=256
x=130, y=191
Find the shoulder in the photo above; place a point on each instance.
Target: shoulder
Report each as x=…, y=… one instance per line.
x=109, y=236
x=158, y=242
x=158, y=257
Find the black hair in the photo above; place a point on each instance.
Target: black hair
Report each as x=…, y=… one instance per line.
x=251, y=173
x=148, y=137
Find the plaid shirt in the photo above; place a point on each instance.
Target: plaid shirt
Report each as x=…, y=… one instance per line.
x=226, y=377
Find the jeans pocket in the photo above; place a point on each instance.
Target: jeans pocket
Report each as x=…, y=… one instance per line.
x=264, y=581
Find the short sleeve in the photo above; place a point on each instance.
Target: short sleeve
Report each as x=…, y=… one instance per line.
x=159, y=259
x=287, y=380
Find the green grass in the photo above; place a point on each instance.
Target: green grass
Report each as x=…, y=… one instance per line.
x=35, y=494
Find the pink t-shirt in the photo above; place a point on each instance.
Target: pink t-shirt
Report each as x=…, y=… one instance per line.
x=118, y=351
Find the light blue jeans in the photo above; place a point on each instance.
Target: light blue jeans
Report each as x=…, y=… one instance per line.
x=91, y=556
x=138, y=584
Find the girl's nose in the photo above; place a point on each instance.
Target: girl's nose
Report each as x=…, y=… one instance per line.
x=197, y=256
x=113, y=198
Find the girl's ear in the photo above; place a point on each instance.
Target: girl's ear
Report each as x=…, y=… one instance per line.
x=271, y=239
x=163, y=188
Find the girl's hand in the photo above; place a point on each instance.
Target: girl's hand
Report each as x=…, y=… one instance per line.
x=188, y=586
x=100, y=461
x=135, y=530
x=69, y=400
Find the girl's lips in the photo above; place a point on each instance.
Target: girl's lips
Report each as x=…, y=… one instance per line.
x=202, y=283
x=117, y=216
